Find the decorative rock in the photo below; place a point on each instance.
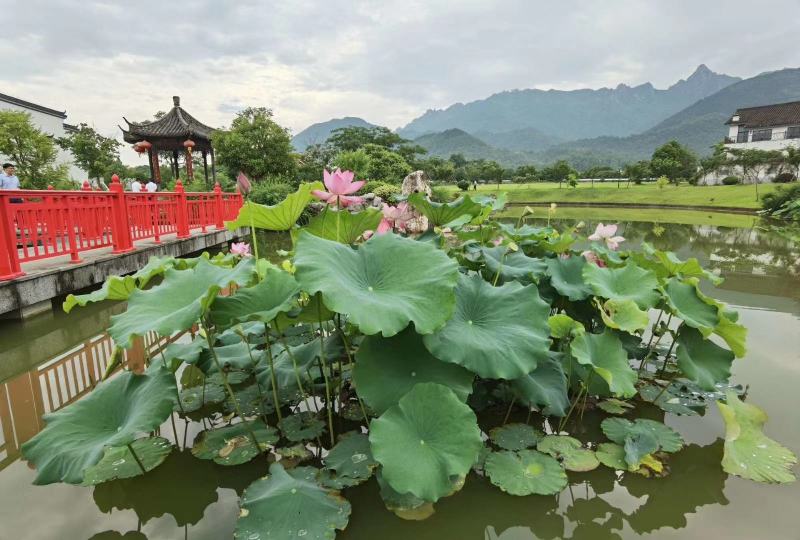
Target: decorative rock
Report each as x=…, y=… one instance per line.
x=416, y=182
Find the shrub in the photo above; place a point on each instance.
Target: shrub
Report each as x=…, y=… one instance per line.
x=463, y=185
x=387, y=191
x=778, y=198
x=784, y=178
x=270, y=194
x=662, y=182
x=440, y=194
x=731, y=180
x=372, y=185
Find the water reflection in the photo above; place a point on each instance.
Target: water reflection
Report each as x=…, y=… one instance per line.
x=195, y=499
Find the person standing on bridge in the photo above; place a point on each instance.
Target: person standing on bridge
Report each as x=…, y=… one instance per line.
x=151, y=186
x=136, y=186
x=9, y=180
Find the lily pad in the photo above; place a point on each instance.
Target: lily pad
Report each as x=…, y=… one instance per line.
x=570, y=451
x=440, y=214
x=615, y=406
x=701, y=361
x=606, y=356
x=623, y=315
x=510, y=318
x=670, y=401
x=526, y=472
x=512, y=265
x=515, y=436
x=252, y=401
x=296, y=453
x=387, y=368
x=351, y=457
x=281, y=506
x=425, y=440
x=119, y=462
x=748, y=452
x=386, y=283
x=263, y=302
x=404, y=505
x=301, y=426
x=641, y=437
x=349, y=226
x=611, y=455
x=233, y=445
x=178, y=302
x=566, y=276
x=113, y=414
x=545, y=388
x=629, y=282
x=280, y=217
x=195, y=397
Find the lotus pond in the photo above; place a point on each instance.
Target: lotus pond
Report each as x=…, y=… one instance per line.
x=464, y=407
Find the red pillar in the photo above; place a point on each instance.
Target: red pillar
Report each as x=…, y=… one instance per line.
x=121, y=231
x=9, y=257
x=218, y=207
x=182, y=211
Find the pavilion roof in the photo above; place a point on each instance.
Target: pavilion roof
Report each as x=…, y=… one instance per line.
x=176, y=124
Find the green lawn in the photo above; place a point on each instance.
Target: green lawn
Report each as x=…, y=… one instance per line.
x=607, y=192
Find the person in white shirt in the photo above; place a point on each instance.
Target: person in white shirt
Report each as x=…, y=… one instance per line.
x=151, y=186
x=136, y=186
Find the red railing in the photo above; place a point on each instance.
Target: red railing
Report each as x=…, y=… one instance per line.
x=38, y=224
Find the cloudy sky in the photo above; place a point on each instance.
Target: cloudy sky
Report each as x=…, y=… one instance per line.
x=386, y=61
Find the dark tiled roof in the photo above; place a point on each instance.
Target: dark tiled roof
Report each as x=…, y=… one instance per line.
x=32, y=106
x=177, y=123
x=779, y=114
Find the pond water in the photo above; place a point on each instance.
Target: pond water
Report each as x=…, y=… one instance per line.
x=194, y=499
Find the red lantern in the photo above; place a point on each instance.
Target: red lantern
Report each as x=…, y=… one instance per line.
x=188, y=144
x=139, y=150
x=146, y=145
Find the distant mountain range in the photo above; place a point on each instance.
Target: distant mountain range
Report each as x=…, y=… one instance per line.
x=586, y=127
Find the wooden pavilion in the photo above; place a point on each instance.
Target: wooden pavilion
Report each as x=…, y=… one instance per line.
x=177, y=131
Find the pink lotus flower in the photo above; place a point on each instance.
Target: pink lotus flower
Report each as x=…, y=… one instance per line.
x=606, y=233
x=340, y=185
x=240, y=248
x=243, y=183
x=396, y=217
x=592, y=257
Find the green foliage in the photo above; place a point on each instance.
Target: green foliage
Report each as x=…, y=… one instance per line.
x=463, y=185
x=95, y=154
x=269, y=194
x=674, y=161
x=662, y=182
x=32, y=151
x=731, y=181
x=385, y=165
x=784, y=178
x=256, y=145
x=784, y=202
x=357, y=161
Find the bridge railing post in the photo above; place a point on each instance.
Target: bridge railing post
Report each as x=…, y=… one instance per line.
x=73, y=234
x=182, y=211
x=120, y=223
x=9, y=256
x=219, y=208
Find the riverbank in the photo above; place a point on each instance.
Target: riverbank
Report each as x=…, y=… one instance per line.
x=684, y=195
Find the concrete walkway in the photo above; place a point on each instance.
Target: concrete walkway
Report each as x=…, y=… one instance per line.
x=48, y=281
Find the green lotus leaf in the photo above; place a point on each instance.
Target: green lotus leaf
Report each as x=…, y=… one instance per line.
x=387, y=368
x=496, y=203
x=566, y=276
x=351, y=457
x=113, y=414
x=234, y=377
x=348, y=226
x=119, y=462
x=252, y=400
x=186, y=352
x=570, y=451
x=196, y=397
x=623, y=315
x=178, y=302
x=615, y=406
x=512, y=265
x=403, y=505
x=619, y=430
x=670, y=402
x=510, y=318
x=191, y=377
x=311, y=310
x=116, y=535
x=114, y=288
x=297, y=453
x=236, y=356
x=606, y=356
x=305, y=474
x=425, y=440
x=280, y=217
x=383, y=285
x=262, y=302
x=515, y=436
x=702, y=361
x=304, y=356
x=233, y=445
x=688, y=304
x=545, y=388
x=630, y=282
x=748, y=452
x=440, y=214
x=525, y=232
x=329, y=479
x=301, y=426
x=563, y=326
x=526, y=472
x=638, y=445
x=611, y=455
x=670, y=265
x=734, y=334
x=281, y=506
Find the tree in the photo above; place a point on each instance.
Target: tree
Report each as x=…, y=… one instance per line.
x=790, y=160
x=492, y=172
x=713, y=163
x=638, y=171
x=95, y=154
x=349, y=139
x=458, y=160
x=674, y=161
x=357, y=161
x=557, y=172
x=32, y=151
x=256, y=145
x=439, y=170
x=753, y=162
x=524, y=174
x=312, y=161
x=385, y=165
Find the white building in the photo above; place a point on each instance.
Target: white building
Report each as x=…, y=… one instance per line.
x=49, y=121
x=769, y=127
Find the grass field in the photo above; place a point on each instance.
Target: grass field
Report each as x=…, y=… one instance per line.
x=607, y=192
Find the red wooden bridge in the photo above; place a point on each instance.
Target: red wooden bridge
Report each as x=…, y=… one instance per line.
x=37, y=225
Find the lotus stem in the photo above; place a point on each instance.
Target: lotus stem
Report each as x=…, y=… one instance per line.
x=253, y=233
x=500, y=269
x=252, y=361
x=174, y=429
x=324, y=368
x=563, y=422
x=272, y=379
x=351, y=363
x=185, y=431
x=291, y=357
x=138, y=461
x=508, y=412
